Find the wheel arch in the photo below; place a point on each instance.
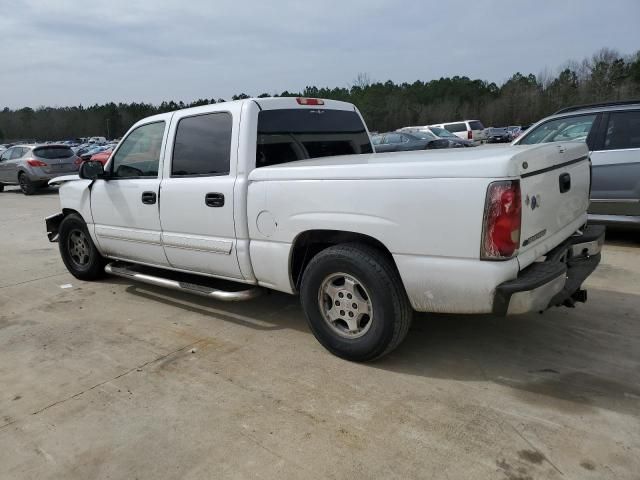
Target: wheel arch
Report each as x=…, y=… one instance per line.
x=309, y=243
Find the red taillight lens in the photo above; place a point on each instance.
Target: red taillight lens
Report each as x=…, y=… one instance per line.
x=77, y=161
x=309, y=101
x=469, y=135
x=502, y=220
x=36, y=163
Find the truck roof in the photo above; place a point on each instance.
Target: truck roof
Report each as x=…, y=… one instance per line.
x=266, y=103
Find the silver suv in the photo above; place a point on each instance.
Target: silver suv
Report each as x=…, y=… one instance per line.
x=612, y=132
x=32, y=166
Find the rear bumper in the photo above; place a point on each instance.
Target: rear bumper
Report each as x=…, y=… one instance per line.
x=557, y=280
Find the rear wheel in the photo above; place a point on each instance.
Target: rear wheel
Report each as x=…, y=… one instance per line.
x=354, y=302
x=79, y=254
x=26, y=185
x=1, y=187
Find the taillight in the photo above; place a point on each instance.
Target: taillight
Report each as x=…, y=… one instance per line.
x=36, y=163
x=77, y=161
x=309, y=101
x=469, y=135
x=502, y=220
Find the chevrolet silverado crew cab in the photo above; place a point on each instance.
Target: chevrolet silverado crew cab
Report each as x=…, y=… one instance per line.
x=287, y=194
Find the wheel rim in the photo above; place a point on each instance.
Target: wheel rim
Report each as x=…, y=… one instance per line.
x=345, y=304
x=78, y=247
x=22, y=180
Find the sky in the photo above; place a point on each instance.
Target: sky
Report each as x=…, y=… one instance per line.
x=71, y=52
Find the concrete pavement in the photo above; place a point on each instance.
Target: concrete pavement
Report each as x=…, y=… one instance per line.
x=116, y=380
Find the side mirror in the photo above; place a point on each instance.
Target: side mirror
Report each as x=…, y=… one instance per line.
x=91, y=170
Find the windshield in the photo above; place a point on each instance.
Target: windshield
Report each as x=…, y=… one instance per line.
x=298, y=134
x=571, y=129
x=442, y=133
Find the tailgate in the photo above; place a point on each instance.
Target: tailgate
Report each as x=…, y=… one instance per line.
x=555, y=194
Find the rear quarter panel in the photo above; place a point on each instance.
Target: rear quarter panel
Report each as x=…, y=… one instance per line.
x=415, y=217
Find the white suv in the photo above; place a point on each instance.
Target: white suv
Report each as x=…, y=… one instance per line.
x=466, y=129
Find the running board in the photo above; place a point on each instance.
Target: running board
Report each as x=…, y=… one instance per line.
x=126, y=271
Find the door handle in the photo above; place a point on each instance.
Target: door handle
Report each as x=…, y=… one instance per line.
x=565, y=182
x=214, y=200
x=149, y=198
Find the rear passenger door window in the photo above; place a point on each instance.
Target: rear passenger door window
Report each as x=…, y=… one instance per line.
x=202, y=146
x=623, y=131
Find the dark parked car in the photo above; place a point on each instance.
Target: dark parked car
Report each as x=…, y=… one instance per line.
x=498, y=135
x=402, y=142
x=612, y=133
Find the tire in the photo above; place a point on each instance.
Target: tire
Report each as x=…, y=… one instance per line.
x=78, y=252
x=375, y=288
x=1, y=187
x=26, y=185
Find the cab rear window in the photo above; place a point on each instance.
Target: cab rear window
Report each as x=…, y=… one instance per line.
x=297, y=134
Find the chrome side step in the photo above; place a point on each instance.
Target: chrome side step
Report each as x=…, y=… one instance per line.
x=124, y=271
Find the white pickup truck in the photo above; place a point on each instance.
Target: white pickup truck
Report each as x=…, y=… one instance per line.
x=287, y=194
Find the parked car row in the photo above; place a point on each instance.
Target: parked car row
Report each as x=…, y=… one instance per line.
x=32, y=166
x=611, y=131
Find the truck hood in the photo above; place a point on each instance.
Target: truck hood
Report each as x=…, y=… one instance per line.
x=505, y=161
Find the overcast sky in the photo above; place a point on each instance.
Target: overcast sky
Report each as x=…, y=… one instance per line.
x=70, y=52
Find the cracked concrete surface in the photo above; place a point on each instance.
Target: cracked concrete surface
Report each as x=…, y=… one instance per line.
x=116, y=380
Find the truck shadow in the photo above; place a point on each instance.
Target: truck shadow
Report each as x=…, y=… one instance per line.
x=565, y=359
x=270, y=311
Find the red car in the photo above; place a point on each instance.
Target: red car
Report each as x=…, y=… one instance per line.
x=102, y=157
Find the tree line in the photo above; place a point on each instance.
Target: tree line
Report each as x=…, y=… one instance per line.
x=521, y=100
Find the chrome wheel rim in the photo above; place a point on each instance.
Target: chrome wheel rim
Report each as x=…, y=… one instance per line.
x=345, y=305
x=78, y=247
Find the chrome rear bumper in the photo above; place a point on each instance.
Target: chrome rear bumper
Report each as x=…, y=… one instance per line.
x=556, y=281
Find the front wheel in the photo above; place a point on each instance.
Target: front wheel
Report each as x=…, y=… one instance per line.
x=354, y=302
x=78, y=252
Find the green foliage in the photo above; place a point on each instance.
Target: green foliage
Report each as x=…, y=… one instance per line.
x=522, y=99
